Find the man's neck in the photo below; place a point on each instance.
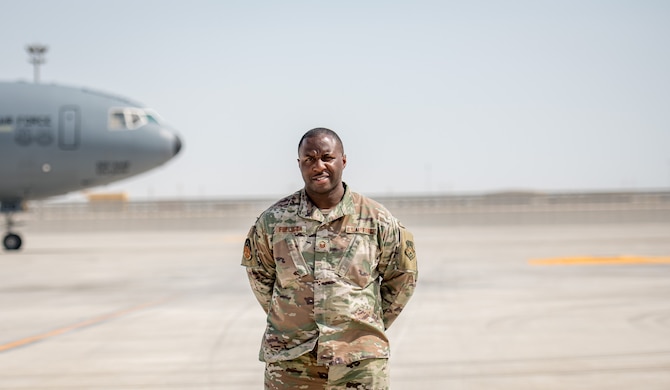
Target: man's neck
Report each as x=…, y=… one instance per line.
x=329, y=200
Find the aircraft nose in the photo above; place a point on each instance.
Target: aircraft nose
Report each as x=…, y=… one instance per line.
x=176, y=147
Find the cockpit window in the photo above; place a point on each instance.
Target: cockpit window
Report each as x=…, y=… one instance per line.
x=117, y=120
x=153, y=116
x=128, y=118
x=152, y=119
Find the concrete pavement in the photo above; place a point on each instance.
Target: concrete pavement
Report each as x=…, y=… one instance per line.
x=151, y=308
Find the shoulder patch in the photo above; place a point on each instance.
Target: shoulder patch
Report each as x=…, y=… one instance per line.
x=407, y=251
x=247, y=249
x=410, y=252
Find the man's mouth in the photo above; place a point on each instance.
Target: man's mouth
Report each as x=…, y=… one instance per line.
x=320, y=178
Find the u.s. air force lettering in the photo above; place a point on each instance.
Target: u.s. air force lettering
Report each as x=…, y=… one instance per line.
x=31, y=128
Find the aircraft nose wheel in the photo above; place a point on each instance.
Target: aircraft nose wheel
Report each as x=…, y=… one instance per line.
x=12, y=242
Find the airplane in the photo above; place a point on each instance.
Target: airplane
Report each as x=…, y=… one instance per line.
x=58, y=139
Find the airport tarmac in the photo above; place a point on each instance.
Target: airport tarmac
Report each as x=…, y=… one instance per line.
x=155, y=308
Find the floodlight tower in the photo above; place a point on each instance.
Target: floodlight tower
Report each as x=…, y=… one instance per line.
x=36, y=52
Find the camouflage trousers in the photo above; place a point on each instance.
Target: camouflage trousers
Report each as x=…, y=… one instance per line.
x=304, y=373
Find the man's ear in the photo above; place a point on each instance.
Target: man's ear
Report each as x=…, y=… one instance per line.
x=344, y=160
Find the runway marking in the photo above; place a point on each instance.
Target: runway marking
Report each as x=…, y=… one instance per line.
x=602, y=260
x=234, y=238
x=79, y=325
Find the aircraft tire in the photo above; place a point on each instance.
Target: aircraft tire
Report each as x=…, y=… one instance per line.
x=12, y=242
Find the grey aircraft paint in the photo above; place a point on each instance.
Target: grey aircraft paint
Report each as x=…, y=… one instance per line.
x=56, y=139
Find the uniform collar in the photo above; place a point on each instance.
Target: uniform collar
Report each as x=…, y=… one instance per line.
x=308, y=210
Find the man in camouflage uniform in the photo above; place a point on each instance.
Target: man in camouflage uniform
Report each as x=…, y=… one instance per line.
x=332, y=269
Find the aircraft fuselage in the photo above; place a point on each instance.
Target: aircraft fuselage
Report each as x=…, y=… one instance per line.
x=55, y=139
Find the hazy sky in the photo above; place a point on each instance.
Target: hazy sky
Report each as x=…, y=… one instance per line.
x=428, y=96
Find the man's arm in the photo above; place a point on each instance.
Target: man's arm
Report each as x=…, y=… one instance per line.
x=259, y=261
x=399, y=276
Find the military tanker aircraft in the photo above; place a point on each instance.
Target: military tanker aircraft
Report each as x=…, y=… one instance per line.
x=56, y=139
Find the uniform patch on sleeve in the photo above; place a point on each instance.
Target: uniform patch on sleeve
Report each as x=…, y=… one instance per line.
x=247, y=249
x=409, y=249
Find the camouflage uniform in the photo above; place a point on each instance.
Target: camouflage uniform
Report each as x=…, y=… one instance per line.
x=303, y=373
x=331, y=284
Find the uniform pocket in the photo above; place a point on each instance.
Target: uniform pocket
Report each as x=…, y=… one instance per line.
x=290, y=264
x=359, y=262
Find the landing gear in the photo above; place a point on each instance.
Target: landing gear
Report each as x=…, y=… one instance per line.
x=12, y=242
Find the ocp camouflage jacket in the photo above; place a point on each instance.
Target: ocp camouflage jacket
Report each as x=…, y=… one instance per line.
x=329, y=283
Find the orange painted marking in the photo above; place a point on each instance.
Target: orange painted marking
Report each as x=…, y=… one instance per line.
x=595, y=260
x=234, y=238
x=79, y=325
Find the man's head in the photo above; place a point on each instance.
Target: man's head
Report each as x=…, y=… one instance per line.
x=321, y=160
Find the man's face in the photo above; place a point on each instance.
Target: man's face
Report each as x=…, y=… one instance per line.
x=321, y=162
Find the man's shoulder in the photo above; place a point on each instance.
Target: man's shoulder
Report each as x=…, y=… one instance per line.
x=365, y=200
x=274, y=213
x=370, y=207
x=287, y=201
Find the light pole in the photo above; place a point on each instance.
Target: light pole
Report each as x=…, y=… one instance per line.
x=36, y=52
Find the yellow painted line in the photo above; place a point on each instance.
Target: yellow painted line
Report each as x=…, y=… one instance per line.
x=603, y=260
x=234, y=238
x=79, y=325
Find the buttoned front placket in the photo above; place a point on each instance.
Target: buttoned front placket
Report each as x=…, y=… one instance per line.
x=324, y=280
x=325, y=259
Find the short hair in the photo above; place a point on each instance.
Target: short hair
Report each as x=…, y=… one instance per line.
x=321, y=131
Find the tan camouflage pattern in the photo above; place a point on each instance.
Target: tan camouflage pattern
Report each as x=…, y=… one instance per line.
x=305, y=373
x=333, y=282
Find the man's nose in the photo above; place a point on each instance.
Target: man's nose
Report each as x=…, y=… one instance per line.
x=319, y=165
